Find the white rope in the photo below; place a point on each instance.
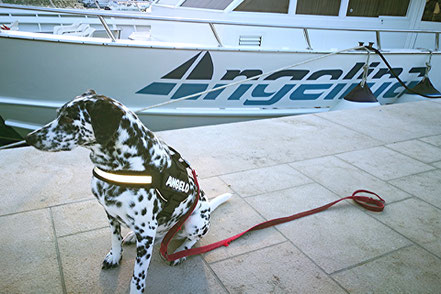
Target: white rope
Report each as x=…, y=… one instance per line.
x=12, y=145
x=224, y=86
x=365, y=68
x=246, y=80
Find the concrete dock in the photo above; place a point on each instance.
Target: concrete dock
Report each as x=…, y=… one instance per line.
x=54, y=235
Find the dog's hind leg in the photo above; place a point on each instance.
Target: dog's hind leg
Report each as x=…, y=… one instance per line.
x=188, y=243
x=196, y=226
x=115, y=254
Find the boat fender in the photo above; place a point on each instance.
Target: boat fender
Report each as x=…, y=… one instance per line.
x=424, y=87
x=359, y=97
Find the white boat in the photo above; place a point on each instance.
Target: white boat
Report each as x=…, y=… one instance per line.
x=300, y=51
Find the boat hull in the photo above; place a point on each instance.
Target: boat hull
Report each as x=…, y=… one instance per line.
x=39, y=73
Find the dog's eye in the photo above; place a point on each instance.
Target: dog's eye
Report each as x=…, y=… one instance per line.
x=65, y=120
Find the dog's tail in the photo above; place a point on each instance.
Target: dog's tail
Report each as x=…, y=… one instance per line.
x=214, y=203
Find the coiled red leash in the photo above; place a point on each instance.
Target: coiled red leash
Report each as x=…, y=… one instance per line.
x=369, y=203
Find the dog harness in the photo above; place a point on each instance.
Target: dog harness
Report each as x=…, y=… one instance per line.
x=172, y=184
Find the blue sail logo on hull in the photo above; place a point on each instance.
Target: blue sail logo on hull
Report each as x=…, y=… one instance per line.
x=202, y=71
x=188, y=78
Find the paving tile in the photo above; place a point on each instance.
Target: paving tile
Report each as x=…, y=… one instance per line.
x=267, y=179
x=391, y=123
x=335, y=239
x=384, y=163
x=417, y=220
x=79, y=217
x=42, y=179
x=418, y=150
x=343, y=178
x=214, y=186
x=277, y=269
x=232, y=218
x=408, y=270
x=28, y=256
x=247, y=145
x=434, y=140
x=426, y=186
x=82, y=256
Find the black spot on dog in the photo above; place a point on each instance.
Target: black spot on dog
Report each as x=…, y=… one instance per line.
x=140, y=251
x=155, y=206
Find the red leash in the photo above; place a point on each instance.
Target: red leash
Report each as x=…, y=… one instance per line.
x=369, y=203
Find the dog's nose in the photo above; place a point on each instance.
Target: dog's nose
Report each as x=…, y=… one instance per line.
x=31, y=139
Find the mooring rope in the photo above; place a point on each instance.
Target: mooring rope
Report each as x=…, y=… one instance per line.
x=224, y=86
x=248, y=79
x=12, y=145
x=243, y=81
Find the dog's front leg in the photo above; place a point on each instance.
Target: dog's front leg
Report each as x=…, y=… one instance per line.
x=114, y=256
x=144, y=248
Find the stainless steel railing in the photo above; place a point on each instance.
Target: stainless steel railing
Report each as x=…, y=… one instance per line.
x=101, y=14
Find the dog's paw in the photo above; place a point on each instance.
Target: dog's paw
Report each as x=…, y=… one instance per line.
x=177, y=261
x=129, y=239
x=111, y=261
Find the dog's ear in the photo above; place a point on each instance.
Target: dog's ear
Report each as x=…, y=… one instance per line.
x=105, y=118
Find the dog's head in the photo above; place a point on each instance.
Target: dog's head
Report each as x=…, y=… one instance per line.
x=87, y=120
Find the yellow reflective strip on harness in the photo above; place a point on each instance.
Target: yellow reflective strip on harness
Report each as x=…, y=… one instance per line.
x=124, y=179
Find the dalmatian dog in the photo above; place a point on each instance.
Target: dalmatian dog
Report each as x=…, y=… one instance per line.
x=119, y=142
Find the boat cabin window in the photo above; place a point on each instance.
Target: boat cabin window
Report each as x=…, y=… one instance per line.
x=274, y=6
x=318, y=7
x=208, y=4
x=375, y=8
x=432, y=11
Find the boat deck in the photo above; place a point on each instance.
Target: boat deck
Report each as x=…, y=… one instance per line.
x=55, y=234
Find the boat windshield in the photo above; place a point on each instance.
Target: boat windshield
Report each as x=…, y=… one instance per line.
x=275, y=6
x=360, y=8
x=318, y=7
x=357, y=8
x=375, y=8
x=207, y=4
x=432, y=11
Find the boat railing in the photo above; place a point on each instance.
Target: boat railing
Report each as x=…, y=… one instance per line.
x=102, y=14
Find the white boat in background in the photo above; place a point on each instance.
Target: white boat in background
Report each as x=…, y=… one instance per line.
x=243, y=49
x=127, y=5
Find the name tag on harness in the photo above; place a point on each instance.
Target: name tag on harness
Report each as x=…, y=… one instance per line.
x=177, y=184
